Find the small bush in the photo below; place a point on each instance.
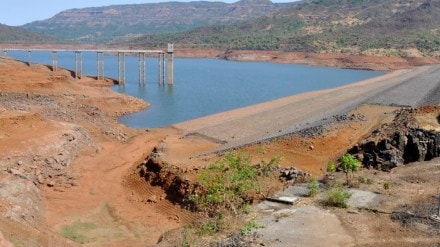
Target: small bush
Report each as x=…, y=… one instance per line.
x=337, y=196
x=386, y=185
x=250, y=226
x=247, y=208
x=331, y=167
x=226, y=182
x=313, y=187
x=212, y=226
x=365, y=180
x=349, y=163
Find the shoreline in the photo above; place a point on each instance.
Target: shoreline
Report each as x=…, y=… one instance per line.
x=338, y=60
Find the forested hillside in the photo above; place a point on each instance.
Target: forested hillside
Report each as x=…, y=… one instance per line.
x=392, y=27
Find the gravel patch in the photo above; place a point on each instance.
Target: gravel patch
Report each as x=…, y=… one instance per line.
x=416, y=91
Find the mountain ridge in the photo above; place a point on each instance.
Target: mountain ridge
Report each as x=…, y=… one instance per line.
x=370, y=27
x=10, y=34
x=121, y=22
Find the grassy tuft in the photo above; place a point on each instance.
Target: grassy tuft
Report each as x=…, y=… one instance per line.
x=337, y=196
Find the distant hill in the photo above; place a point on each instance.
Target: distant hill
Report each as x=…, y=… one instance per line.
x=10, y=34
x=121, y=22
x=391, y=27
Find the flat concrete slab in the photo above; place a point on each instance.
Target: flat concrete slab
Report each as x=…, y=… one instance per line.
x=363, y=199
x=305, y=226
x=284, y=199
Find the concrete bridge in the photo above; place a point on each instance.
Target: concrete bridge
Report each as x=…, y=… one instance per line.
x=121, y=54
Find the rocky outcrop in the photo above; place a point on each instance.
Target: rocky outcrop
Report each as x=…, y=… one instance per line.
x=293, y=174
x=402, y=141
x=170, y=178
x=402, y=148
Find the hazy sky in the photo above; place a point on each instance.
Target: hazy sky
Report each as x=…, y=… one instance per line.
x=19, y=12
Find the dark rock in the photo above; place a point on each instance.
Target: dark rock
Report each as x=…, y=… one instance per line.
x=404, y=146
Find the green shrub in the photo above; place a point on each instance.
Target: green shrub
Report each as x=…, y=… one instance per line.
x=337, y=196
x=331, y=167
x=313, y=187
x=349, y=164
x=212, y=226
x=226, y=183
x=250, y=226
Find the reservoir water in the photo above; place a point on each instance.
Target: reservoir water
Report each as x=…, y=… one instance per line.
x=207, y=86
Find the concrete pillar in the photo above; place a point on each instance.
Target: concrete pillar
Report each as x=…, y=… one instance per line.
x=54, y=61
x=5, y=52
x=30, y=58
x=121, y=67
x=161, y=68
x=142, y=69
x=170, y=64
x=78, y=64
x=99, y=65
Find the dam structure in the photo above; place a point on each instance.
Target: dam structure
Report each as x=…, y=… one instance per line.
x=163, y=67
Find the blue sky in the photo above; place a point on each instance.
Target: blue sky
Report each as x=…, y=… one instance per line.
x=19, y=12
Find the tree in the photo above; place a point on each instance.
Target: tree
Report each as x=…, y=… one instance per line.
x=349, y=163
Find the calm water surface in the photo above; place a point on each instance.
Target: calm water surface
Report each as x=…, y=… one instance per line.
x=207, y=86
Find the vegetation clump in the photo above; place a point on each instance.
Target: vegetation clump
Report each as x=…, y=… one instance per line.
x=227, y=189
x=313, y=187
x=331, y=167
x=226, y=184
x=250, y=226
x=349, y=164
x=336, y=196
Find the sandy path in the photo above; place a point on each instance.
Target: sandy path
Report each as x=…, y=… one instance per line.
x=279, y=117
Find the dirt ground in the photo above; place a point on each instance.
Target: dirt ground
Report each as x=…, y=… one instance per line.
x=61, y=141
x=68, y=169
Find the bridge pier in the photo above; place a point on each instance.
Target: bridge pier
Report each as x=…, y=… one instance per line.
x=54, y=61
x=30, y=58
x=121, y=67
x=142, y=69
x=161, y=68
x=5, y=52
x=99, y=65
x=78, y=64
x=170, y=64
